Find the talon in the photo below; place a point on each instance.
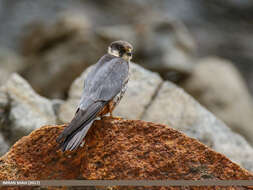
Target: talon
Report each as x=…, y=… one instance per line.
x=115, y=117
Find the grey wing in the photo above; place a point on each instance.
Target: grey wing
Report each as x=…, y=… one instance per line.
x=74, y=133
x=104, y=82
x=107, y=81
x=81, y=118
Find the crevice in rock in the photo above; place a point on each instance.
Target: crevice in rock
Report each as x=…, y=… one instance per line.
x=5, y=122
x=152, y=99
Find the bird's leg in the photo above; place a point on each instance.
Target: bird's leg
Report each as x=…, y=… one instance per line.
x=111, y=116
x=111, y=113
x=114, y=117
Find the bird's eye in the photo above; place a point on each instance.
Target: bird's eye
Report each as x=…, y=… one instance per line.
x=129, y=54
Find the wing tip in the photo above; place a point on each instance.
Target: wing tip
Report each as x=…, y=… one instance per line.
x=69, y=145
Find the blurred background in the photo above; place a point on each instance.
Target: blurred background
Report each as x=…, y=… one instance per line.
x=36, y=31
x=204, y=46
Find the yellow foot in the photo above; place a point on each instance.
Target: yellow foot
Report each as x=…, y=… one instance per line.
x=114, y=117
x=111, y=117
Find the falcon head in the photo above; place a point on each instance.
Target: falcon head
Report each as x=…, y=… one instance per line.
x=121, y=49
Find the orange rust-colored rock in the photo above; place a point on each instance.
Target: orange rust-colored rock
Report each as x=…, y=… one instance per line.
x=118, y=149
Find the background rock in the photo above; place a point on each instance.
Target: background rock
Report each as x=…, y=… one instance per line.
x=165, y=46
x=9, y=62
x=118, y=149
x=4, y=146
x=24, y=109
x=65, y=48
x=219, y=27
x=70, y=45
x=217, y=85
x=56, y=104
x=160, y=44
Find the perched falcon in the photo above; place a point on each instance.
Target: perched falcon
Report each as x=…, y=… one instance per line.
x=104, y=87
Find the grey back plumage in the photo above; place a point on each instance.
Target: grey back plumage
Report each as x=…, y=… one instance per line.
x=105, y=80
x=102, y=84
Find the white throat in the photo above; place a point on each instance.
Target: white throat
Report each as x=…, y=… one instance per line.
x=116, y=54
x=113, y=52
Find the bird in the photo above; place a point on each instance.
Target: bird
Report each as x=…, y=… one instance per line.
x=104, y=87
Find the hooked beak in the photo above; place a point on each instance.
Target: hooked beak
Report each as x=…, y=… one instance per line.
x=129, y=54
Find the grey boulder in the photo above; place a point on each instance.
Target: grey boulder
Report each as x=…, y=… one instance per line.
x=24, y=109
x=4, y=146
x=218, y=85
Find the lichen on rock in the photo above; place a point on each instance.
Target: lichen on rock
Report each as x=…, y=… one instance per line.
x=117, y=149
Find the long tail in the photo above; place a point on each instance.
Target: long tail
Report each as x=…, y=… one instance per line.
x=73, y=141
x=73, y=134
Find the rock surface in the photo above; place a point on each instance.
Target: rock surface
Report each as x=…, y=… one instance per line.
x=217, y=85
x=118, y=149
x=182, y=112
x=9, y=62
x=23, y=109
